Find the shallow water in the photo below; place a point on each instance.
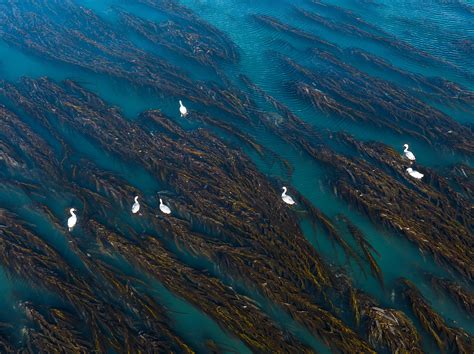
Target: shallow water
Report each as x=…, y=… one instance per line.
x=426, y=27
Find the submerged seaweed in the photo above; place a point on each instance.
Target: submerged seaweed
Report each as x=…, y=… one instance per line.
x=230, y=248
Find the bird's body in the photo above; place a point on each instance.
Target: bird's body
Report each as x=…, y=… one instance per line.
x=136, y=206
x=164, y=208
x=408, y=154
x=414, y=173
x=286, y=198
x=72, y=221
x=182, y=109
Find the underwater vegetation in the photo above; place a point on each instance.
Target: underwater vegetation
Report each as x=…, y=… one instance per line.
x=270, y=277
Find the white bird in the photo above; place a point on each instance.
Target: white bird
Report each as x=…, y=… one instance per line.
x=286, y=198
x=136, y=206
x=164, y=208
x=408, y=154
x=71, y=222
x=182, y=109
x=414, y=174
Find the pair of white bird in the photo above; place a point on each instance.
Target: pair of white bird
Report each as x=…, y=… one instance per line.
x=410, y=156
x=163, y=207
x=72, y=221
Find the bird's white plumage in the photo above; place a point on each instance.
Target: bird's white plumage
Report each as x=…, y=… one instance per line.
x=286, y=198
x=72, y=221
x=136, y=206
x=408, y=154
x=182, y=109
x=414, y=173
x=164, y=208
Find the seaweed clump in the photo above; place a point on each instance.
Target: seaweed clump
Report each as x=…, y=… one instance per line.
x=448, y=339
x=377, y=102
x=214, y=186
x=462, y=297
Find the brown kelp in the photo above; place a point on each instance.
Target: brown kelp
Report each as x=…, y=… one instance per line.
x=381, y=103
x=235, y=312
x=461, y=296
x=387, y=329
x=228, y=225
x=27, y=255
x=53, y=331
x=461, y=178
x=384, y=202
x=88, y=42
x=448, y=339
x=186, y=42
x=196, y=25
x=220, y=191
x=382, y=197
x=465, y=45
x=402, y=47
x=436, y=188
x=6, y=346
x=366, y=247
x=384, y=328
x=38, y=335
x=279, y=26
x=347, y=15
x=435, y=88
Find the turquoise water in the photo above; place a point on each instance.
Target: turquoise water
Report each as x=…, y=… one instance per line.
x=425, y=27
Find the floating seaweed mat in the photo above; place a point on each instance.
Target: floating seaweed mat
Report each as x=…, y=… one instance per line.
x=184, y=41
x=219, y=42
x=426, y=225
x=236, y=263
x=119, y=191
x=54, y=330
x=90, y=43
x=448, y=339
x=461, y=177
x=435, y=88
x=366, y=247
x=296, y=32
x=387, y=329
x=235, y=312
x=347, y=15
x=435, y=188
x=28, y=256
x=461, y=296
x=379, y=195
x=276, y=259
x=402, y=47
x=377, y=102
